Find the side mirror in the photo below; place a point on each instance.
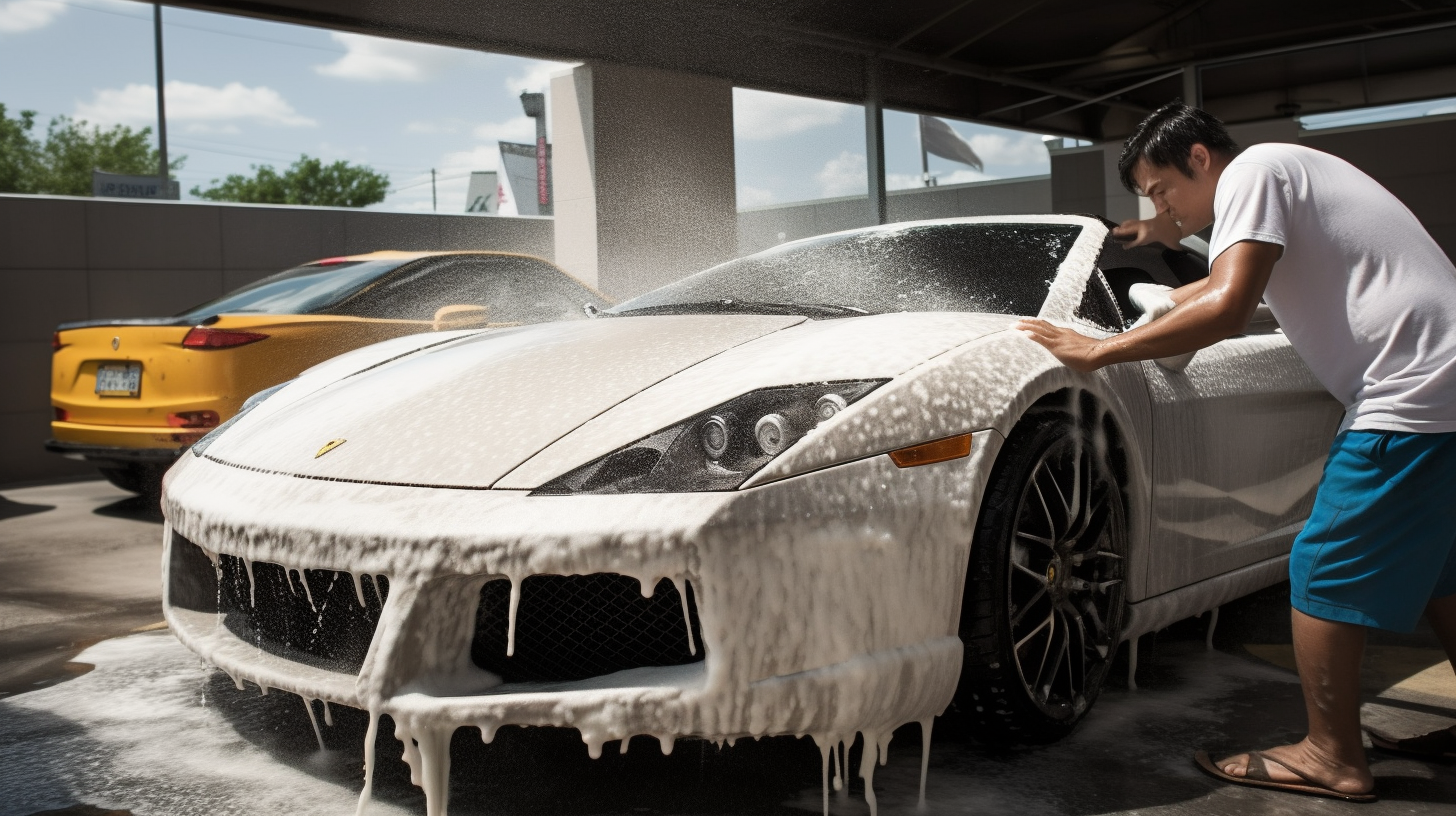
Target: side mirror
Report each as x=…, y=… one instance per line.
x=460, y=316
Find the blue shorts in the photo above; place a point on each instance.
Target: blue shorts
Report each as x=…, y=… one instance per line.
x=1381, y=541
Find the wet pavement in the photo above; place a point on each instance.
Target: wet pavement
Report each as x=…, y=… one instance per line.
x=151, y=731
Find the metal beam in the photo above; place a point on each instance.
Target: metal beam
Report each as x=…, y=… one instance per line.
x=857, y=46
x=917, y=31
x=1110, y=53
x=1122, y=90
x=985, y=32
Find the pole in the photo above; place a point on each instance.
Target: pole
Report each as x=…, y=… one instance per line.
x=875, y=145
x=163, y=170
x=924, y=155
x=434, y=200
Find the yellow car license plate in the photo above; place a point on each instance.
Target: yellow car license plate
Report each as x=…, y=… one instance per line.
x=119, y=379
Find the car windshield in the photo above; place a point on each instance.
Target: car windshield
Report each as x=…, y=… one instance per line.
x=306, y=289
x=1005, y=268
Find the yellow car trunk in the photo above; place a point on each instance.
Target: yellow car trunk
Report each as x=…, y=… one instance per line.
x=176, y=379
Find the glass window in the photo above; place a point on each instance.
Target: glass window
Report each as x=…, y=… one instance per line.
x=515, y=289
x=308, y=289
x=1098, y=306
x=1122, y=268
x=1005, y=268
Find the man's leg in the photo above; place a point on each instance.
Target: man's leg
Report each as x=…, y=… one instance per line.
x=1442, y=615
x=1328, y=655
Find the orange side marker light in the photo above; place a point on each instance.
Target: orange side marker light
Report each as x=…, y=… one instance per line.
x=928, y=453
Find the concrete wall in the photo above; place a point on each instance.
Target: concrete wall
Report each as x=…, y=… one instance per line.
x=67, y=259
x=1413, y=160
x=763, y=227
x=645, y=174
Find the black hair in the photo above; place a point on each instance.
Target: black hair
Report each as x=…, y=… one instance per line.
x=1167, y=136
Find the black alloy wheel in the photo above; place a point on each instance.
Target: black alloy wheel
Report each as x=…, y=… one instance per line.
x=1042, y=614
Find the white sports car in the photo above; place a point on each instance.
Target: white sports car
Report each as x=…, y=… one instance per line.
x=821, y=490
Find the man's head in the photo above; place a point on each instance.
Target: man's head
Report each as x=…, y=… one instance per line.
x=1175, y=158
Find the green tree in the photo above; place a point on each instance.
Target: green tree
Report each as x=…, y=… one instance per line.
x=306, y=181
x=19, y=153
x=73, y=149
x=62, y=164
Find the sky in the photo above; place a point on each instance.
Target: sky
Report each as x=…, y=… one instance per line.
x=243, y=92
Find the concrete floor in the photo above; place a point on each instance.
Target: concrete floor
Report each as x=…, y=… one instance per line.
x=149, y=730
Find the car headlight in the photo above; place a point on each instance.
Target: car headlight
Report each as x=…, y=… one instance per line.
x=249, y=404
x=717, y=449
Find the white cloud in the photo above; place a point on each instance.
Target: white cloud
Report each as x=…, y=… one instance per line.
x=1017, y=149
x=517, y=129
x=754, y=196
x=376, y=59
x=534, y=76
x=759, y=116
x=843, y=175
x=203, y=129
x=28, y=15
x=191, y=103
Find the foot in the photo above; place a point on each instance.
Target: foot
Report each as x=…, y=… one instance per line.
x=1303, y=763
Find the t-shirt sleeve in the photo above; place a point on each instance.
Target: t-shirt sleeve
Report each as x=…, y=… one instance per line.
x=1252, y=204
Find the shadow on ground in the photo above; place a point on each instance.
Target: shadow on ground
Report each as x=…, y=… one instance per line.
x=134, y=508
x=14, y=509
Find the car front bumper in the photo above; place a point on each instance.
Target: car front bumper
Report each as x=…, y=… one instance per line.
x=828, y=603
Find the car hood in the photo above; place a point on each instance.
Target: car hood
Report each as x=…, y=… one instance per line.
x=515, y=408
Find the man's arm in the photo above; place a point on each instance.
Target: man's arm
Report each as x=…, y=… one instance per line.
x=1210, y=310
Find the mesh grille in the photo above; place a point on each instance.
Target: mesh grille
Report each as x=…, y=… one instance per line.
x=333, y=632
x=571, y=627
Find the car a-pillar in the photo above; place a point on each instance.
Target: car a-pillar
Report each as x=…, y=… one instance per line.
x=1045, y=592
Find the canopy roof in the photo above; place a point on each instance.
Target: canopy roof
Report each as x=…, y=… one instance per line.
x=1074, y=67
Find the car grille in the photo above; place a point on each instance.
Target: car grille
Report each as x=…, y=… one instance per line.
x=331, y=632
x=571, y=627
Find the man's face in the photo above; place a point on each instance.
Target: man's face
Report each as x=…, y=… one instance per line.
x=1188, y=201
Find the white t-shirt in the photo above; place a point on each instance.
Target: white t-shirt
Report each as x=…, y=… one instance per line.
x=1361, y=291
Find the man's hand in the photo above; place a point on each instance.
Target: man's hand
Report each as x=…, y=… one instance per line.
x=1160, y=229
x=1076, y=351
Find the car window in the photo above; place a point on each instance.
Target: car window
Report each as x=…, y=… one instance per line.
x=515, y=289
x=1098, y=306
x=307, y=289
x=1005, y=268
x=1146, y=264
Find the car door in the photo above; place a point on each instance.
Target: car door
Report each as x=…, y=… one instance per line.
x=1239, y=439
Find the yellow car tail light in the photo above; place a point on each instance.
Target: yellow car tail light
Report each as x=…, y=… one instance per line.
x=204, y=338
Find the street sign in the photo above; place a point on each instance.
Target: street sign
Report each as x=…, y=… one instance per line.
x=115, y=185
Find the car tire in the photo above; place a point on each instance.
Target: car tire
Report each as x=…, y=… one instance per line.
x=142, y=479
x=1042, y=614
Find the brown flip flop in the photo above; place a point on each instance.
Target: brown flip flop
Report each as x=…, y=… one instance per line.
x=1258, y=777
x=1437, y=745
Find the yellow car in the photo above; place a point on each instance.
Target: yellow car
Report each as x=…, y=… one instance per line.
x=131, y=395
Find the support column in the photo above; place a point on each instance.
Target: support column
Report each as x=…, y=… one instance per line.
x=1193, y=86
x=875, y=145
x=644, y=175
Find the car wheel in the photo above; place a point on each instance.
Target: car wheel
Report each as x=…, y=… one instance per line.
x=1044, y=600
x=145, y=480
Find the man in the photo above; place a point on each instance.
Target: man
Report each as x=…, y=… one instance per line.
x=1369, y=302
